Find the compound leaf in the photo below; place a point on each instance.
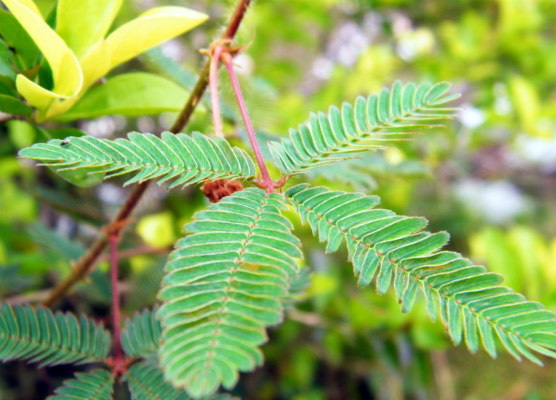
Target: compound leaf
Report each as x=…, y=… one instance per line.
x=146, y=382
x=225, y=283
x=141, y=335
x=344, y=132
x=394, y=250
x=39, y=335
x=97, y=385
x=182, y=158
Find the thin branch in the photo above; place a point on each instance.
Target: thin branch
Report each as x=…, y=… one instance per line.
x=118, y=362
x=443, y=375
x=84, y=264
x=213, y=82
x=267, y=183
x=40, y=295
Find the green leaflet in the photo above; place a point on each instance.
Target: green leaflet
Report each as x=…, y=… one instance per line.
x=141, y=335
x=182, y=158
x=38, y=335
x=146, y=382
x=344, y=132
x=394, y=250
x=225, y=283
x=97, y=385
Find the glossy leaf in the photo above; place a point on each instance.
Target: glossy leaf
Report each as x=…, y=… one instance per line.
x=66, y=71
x=150, y=29
x=132, y=94
x=17, y=38
x=84, y=23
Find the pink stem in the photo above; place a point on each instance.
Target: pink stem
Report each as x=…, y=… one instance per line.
x=268, y=184
x=118, y=359
x=213, y=82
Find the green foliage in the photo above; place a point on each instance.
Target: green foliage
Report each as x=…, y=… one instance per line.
x=12, y=105
x=39, y=335
x=97, y=385
x=500, y=53
x=25, y=51
x=141, y=335
x=79, y=51
x=146, y=382
x=343, y=133
x=132, y=94
x=394, y=250
x=182, y=158
x=525, y=258
x=224, y=285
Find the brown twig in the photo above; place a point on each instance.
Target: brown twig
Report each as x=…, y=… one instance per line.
x=84, y=265
x=118, y=367
x=41, y=295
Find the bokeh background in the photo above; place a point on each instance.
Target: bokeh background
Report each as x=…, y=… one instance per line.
x=488, y=177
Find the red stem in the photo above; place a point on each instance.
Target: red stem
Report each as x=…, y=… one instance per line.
x=213, y=82
x=84, y=265
x=118, y=359
x=267, y=183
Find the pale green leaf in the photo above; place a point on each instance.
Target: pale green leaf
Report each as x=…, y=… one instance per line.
x=132, y=94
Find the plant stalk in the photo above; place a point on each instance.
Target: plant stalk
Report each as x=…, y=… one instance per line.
x=213, y=83
x=86, y=263
x=118, y=355
x=267, y=183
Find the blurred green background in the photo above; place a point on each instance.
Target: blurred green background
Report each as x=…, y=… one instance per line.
x=489, y=178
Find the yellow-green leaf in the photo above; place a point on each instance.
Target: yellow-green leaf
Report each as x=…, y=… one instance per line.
x=66, y=71
x=148, y=30
x=132, y=94
x=82, y=24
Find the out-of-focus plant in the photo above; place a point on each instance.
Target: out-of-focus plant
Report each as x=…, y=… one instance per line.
x=526, y=258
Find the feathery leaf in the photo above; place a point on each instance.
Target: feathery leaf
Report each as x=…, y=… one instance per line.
x=344, y=132
x=39, y=335
x=141, y=335
x=225, y=283
x=146, y=382
x=394, y=250
x=182, y=158
x=97, y=384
